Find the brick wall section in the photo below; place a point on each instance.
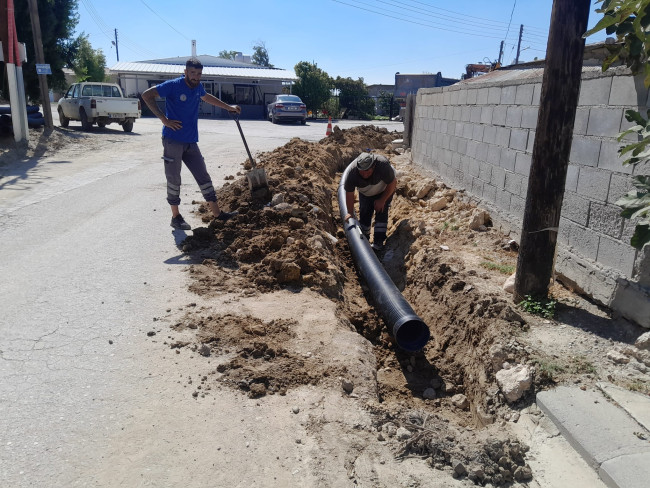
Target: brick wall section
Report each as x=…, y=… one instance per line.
x=478, y=136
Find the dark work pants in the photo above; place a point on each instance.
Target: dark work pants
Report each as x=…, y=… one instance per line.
x=174, y=154
x=366, y=209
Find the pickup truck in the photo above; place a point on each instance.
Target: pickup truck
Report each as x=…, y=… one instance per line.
x=100, y=103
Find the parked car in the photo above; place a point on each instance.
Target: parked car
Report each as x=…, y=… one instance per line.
x=100, y=103
x=287, y=107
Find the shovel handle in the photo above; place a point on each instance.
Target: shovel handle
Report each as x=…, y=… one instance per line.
x=236, y=118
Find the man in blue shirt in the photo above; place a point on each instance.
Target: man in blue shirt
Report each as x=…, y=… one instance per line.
x=180, y=136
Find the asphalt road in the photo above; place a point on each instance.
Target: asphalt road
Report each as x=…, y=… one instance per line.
x=88, y=262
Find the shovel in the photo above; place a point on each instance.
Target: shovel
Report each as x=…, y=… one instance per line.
x=257, y=176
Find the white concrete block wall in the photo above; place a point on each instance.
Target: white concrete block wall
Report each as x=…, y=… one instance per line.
x=479, y=136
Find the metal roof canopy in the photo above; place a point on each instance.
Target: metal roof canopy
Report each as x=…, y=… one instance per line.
x=241, y=71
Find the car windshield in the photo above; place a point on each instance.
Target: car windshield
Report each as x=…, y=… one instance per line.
x=289, y=98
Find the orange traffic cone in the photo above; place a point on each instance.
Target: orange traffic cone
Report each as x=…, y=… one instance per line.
x=329, y=127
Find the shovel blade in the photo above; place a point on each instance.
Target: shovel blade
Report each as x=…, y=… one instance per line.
x=257, y=179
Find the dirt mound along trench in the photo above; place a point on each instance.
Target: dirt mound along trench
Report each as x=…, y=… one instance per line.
x=290, y=238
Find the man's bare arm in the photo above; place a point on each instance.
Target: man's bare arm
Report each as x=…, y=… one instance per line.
x=212, y=100
x=149, y=96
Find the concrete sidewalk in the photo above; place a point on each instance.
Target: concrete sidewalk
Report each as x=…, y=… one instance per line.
x=608, y=427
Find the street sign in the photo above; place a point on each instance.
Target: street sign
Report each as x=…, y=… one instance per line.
x=43, y=69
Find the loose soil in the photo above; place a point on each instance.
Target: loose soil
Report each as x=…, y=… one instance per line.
x=443, y=404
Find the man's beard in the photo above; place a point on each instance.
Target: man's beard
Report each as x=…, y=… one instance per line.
x=192, y=84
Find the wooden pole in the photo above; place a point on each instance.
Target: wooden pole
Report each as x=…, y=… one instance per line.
x=40, y=59
x=557, y=110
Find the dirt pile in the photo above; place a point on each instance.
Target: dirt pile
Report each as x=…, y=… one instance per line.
x=448, y=403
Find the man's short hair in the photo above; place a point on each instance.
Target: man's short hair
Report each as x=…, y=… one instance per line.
x=193, y=63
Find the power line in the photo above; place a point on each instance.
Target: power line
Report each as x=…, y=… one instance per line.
x=156, y=14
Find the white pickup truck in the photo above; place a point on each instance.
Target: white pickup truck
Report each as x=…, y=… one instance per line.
x=101, y=103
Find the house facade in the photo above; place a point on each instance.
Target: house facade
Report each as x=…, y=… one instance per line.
x=233, y=81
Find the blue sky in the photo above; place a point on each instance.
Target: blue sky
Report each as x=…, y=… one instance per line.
x=369, y=39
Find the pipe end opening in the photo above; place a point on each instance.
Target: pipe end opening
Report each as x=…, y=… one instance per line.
x=412, y=335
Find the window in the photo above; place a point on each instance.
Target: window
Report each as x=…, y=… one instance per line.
x=75, y=92
x=244, y=95
x=116, y=92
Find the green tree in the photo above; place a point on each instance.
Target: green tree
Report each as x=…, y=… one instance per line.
x=228, y=54
x=313, y=85
x=58, y=21
x=387, y=103
x=261, y=55
x=354, y=99
x=629, y=21
x=89, y=64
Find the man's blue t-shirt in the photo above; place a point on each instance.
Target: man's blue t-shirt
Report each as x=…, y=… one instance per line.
x=182, y=103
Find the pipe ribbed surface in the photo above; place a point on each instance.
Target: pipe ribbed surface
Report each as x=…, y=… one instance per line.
x=409, y=330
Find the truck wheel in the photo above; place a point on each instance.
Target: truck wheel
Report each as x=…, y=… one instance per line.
x=127, y=126
x=274, y=119
x=101, y=124
x=85, y=123
x=63, y=120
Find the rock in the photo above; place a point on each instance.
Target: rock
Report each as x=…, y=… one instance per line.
x=257, y=390
x=617, y=357
x=509, y=285
x=523, y=473
x=204, y=350
x=288, y=272
x=484, y=417
x=347, y=385
x=444, y=248
x=424, y=190
x=390, y=429
x=403, y=434
x=282, y=206
x=438, y=204
x=460, y=401
x=479, y=217
x=277, y=199
x=514, y=382
x=295, y=223
x=458, y=467
x=429, y=394
x=498, y=356
x=643, y=342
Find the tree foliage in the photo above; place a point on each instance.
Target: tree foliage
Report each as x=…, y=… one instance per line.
x=261, y=55
x=353, y=98
x=387, y=103
x=629, y=20
x=228, y=54
x=58, y=21
x=89, y=64
x=313, y=85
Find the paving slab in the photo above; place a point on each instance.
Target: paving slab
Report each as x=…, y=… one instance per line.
x=635, y=404
x=608, y=438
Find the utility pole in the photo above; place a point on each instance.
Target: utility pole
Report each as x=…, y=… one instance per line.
x=557, y=110
x=500, y=53
x=117, y=51
x=40, y=59
x=521, y=31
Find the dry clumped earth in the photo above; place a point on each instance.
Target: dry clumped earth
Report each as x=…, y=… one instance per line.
x=447, y=404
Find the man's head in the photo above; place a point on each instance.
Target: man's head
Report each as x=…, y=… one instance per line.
x=366, y=164
x=193, y=70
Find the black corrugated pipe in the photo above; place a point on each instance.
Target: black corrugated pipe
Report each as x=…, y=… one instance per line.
x=409, y=330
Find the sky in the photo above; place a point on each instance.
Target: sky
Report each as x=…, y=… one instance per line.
x=369, y=39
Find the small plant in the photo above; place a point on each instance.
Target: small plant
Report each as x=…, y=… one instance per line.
x=547, y=370
x=544, y=307
x=582, y=365
x=639, y=387
x=501, y=268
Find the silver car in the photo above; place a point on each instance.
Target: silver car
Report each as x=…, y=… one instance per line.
x=287, y=107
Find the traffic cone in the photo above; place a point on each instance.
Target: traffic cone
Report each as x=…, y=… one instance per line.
x=329, y=127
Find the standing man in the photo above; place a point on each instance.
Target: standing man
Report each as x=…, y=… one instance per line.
x=376, y=180
x=180, y=136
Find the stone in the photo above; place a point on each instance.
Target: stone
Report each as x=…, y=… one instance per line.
x=204, y=350
x=347, y=385
x=509, y=285
x=403, y=434
x=277, y=199
x=514, y=382
x=426, y=187
x=460, y=401
x=479, y=217
x=295, y=223
x=438, y=204
x=643, y=342
x=282, y=206
x=458, y=467
x=617, y=357
x=288, y=272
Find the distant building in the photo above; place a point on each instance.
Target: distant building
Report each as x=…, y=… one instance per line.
x=375, y=91
x=233, y=81
x=408, y=84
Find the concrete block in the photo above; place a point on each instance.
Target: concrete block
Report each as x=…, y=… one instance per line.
x=517, y=206
x=453, y=97
x=524, y=94
x=618, y=186
x=513, y=183
x=499, y=115
x=446, y=98
x=583, y=240
x=524, y=187
x=464, y=113
x=494, y=154
x=451, y=127
x=537, y=93
x=563, y=232
x=468, y=130
x=585, y=151
x=508, y=158
x=460, y=129
x=522, y=163
x=628, y=91
x=513, y=116
x=633, y=302
x=581, y=120
x=498, y=177
x=595, y=91
x=455, y=160
x=529, y=117
x=606, y=219
x=475, y=114
x=467, y=181
x=629, y=227
x=625, y=125
x=477, y=187
x=472, y=96
x=490, y=134
x=508, y=95
x=462, y=97
x=486, y=114
x=489, y=192
x=477, y=134
x=531, y=141
x=462, y=146
x=571, y=183
x=474, y=168
x=494, y=95
x=641, y=169
x=519, y=139
x=575, y=208
x=485, y=171
x=610, y=159
x=593, y=183
x=617, y=255
x=503, y=137
x=503, y=200
x=472, y=149
x=482, y=96
x=604, y=121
